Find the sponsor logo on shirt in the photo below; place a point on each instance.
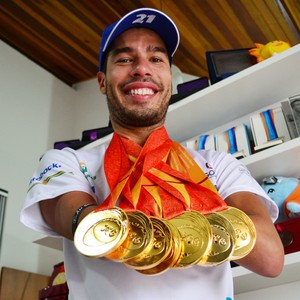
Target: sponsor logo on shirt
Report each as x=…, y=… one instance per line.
x=244, y=170
x=87, y=175
x=210, y=171
x=45, y=171
x=47, y=179
x=42, y=179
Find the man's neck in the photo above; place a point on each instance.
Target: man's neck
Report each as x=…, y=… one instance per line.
x=138, y=135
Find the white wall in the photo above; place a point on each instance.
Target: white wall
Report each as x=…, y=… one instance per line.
x=91, y=110
x=36, y=110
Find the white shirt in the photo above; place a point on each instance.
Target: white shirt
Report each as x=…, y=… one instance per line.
x=60, y=172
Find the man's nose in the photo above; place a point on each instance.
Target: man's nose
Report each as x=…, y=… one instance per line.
x=141, y=68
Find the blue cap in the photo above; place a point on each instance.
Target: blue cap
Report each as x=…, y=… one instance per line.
x=147, y=18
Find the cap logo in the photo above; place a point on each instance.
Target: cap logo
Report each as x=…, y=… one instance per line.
x=150, y=18
x=144, y=18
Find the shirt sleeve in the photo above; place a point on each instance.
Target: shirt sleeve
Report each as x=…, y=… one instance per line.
x=232, y=176
x=58, y=173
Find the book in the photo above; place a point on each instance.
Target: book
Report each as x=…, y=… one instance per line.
x=268, y=144
x=205, y=141
x=235, y=141
x=202, y=142
x=269, y=128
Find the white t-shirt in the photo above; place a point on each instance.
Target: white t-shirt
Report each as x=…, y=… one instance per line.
x=62, y=171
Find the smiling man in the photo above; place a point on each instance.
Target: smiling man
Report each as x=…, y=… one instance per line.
x=137, y=81
x=145, y=174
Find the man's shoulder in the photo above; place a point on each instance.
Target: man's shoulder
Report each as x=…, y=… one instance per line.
x=208, y=155
x=94, y=153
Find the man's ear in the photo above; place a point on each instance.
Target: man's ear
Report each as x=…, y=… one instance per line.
x=102, y=82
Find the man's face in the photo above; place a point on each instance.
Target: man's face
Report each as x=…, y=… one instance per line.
x=138, y=79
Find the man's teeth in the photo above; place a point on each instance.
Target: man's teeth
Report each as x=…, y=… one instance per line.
x=143, y=91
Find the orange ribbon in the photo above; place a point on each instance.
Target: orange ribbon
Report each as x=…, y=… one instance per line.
x=160, y=179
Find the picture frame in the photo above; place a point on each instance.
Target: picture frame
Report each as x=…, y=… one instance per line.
x=225, y=63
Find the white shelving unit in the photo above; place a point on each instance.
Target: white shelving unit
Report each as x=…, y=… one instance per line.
x=261, y=85
x=283, y=159
x=246, y=281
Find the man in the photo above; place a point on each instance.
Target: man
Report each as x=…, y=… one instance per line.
x=134, y=73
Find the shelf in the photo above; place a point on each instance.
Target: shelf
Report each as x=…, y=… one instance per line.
x=258, y=86
x=246, y=281
x=283, y=160
x=51, y=242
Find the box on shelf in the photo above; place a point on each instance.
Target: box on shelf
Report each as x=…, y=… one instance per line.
x=88, y=136
x=91, y=135
x=290, y=235
x=201, y=142
x=58, y=287
x=74, y=144
x=269, y=128
x=206, y=141
x=188, y=88
x=291, y=111
x=235, y=141
x=193, y=85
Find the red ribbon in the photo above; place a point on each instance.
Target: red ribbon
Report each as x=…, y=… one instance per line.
x=160, y=179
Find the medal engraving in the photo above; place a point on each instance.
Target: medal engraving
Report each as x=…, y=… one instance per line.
x=222, y=242
x=245, y=234
x=101, y=232
x=138, y=239
x=196, y=237
x=161, y=247
x=106, y=231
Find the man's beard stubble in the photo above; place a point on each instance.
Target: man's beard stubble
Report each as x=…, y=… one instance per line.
x=136, y=118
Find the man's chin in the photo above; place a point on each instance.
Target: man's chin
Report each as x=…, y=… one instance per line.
x=140, y=122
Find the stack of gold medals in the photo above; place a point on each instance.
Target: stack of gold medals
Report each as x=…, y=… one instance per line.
x=152, y=245
x=203, y=231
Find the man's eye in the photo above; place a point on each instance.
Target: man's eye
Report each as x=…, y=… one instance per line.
x=156, y=59
x=124, y=60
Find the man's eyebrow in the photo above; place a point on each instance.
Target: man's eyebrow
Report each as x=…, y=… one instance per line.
x=151, y=48
x=116, y=51
x=156, y=49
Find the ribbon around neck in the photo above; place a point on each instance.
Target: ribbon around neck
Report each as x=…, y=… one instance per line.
x=160, y=179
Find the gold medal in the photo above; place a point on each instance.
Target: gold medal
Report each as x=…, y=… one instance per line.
x=160, y=247
x=245, y=233
x=177, y=246
x=196, y=236
x=222, y=243
x=140, y=235
x=174, y=256
x=101, y=232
